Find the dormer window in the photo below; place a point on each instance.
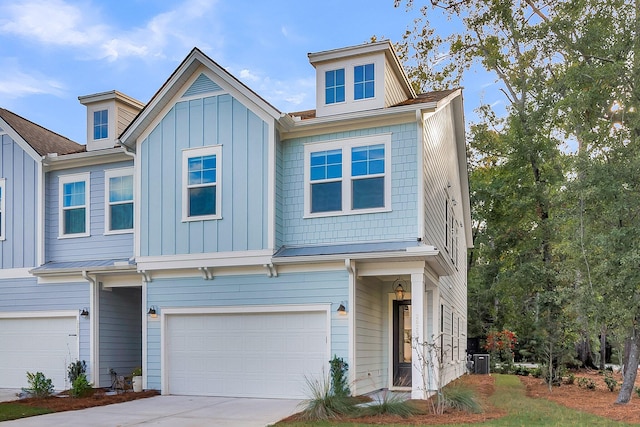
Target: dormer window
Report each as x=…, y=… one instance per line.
x=334, y=86
x=363, y=81
x=101, y=124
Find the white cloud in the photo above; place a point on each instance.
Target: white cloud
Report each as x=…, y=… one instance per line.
x=15, y=83
x=247, y=75
x=83, y=28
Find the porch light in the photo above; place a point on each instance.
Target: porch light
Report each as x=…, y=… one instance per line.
x=398, y=289
x=153, y=312
x=84, y=312
x=342, y=309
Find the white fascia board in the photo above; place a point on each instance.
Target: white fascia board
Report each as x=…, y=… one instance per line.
x=15, y=273
x=20, y=141
x=357, y=256
x=73, y=272
x=221, y=259
x=344, y=52
x=85, y=158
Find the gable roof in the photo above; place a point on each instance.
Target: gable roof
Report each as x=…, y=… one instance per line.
x=41, y=140
x=175, y=82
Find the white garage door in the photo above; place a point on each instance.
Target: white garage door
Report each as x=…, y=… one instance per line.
x=245, y=355
x=36, y=344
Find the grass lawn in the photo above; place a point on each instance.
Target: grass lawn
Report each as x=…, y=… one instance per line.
x=13, y=411
x=521, y=411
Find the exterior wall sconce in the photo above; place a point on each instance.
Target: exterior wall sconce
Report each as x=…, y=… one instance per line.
x=84, y=312
x=153, y=312
x=398, y=289
x=342, y=308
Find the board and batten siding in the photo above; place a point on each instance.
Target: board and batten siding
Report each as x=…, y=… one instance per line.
x=120, y=332
x=318, y=287
x=244, y=137
x=398, y=224
x=20, y=171
x=26, y=295
x=371, y=342
x=440, y=169
x=97, y=245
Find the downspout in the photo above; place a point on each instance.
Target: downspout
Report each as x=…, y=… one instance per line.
x=40, y=241
x=351, y=269
x=419, y=175
x=94, y=343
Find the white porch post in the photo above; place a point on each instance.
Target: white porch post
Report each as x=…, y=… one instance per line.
x=418, y=380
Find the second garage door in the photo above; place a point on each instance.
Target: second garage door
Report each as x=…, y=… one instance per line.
x=36, y=344
x=245, y=354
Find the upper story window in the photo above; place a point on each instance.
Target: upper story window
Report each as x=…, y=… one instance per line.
x=119, y=201
x=348, y=176
x=334, y=86
x=201, y=172
x=363, y=81
x=3, y=216
x=74, y=207
x=101, y=124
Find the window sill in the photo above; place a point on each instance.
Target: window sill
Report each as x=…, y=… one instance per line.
x=115, y=232
x=73, y=236
x=345, y=213
x=202, y=218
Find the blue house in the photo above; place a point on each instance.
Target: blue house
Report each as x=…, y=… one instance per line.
x=231, y=249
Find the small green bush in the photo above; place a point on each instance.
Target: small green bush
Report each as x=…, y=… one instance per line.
x=39, y=385
x=586, y=383
x=80, y=387
x=521, y=370
x=339, y=368
x=638, y=391
x=76, y=369
x=570, y=379
x=462, y=398
x=610, y=381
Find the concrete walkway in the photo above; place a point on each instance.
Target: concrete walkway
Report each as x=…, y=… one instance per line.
x=179, y=411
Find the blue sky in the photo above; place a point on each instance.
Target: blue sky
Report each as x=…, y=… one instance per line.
x=52, y=51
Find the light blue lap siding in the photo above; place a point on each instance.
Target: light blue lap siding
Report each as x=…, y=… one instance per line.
x=399, y=224
x=27, y=295
x=18, y=249
x=97, y=245
x=247, y=290
x=244, y=137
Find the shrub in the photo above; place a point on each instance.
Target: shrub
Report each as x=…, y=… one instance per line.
x=610, y=381
x=137, y=372
x=586, y=383
x=80, y=387
x=392, y=404
x=339, y=368
x=521, y=370
x=39, y=385
x=462, y=398
x=571, y=378
x=323, y=404
x=76, y=369
x=638, y=391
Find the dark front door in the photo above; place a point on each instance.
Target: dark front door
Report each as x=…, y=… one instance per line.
x=402, y=343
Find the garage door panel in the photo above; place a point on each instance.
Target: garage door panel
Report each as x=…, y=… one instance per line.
x=245, y=354
x=36, y=344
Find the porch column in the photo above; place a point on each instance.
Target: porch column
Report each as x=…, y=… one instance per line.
x=419, y=379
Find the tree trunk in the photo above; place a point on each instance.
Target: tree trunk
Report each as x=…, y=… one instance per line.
x=631, y=370
x=603, y=347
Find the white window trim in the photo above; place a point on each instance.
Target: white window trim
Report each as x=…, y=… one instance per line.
x=113, y=173
x=375, y=80
x=196, y=152
x=324, y=93
x=3, y=204
x=93, y=127
x=65, y=179
x=346, y=145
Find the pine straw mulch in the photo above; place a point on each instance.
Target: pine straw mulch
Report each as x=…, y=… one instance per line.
x=98, y=398
x=482, y=384
x=598, y=402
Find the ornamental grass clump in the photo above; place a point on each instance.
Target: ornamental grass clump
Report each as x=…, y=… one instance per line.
x=461, y=398
x=323, y=404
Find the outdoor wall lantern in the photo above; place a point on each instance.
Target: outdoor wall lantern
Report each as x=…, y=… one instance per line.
x=342, y=308
x=398, y=289
x=153, y=312
x=84, y=312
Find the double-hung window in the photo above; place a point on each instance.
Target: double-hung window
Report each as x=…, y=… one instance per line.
x=118, y=201
x=74, y=205
x=201, y=172
x=363, y=81
x=100, y=124
x=3, y=216
x=334, y=86
x=348, y=176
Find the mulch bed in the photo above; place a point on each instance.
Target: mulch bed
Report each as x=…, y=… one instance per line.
x=99, y=398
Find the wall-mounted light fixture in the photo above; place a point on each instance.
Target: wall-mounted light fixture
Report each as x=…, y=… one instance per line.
x=398, y=289
x=84, y=312
x=153, y=312
x=342, y=308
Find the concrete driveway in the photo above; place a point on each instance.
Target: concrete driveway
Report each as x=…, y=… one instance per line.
x=182, y=411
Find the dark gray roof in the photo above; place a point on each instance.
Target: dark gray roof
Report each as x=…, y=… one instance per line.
x=89, y=265
x=345, y=248
x=42, y=140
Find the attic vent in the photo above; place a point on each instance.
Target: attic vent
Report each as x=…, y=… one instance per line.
x=203, y=84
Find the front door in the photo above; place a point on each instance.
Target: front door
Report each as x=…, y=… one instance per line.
x=402, y=343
